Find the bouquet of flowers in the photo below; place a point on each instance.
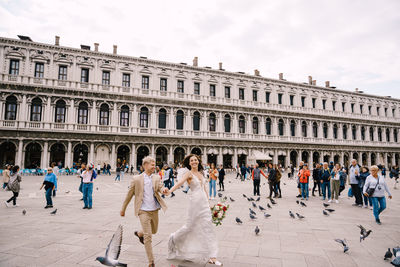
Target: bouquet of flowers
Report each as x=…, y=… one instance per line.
x=218, y=213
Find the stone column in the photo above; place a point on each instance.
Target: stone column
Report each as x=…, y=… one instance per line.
x=45, y=156
x=23, y=111
x=235, y=127
x=235, y=157
x=133, y=156
x=321, y=157
x=93, y=117
x=135, y=117
x=393, y=159
x=188, y=121
x=275, y=158
x=153, y=119
x=47, y=114
x=69, y=155
x=204, y=122
x=274, y=126
x=299, y=152
x=219, y=157
x=2, y=111
x=170, y=155
x=299, y=133
x=376, y=134
x=341, y=161
x=330, y=131
x=113, y=162
x=19, y=160
x=114, y=116
x=153, y=153
x=385, y=161
x=287, y=158
x=310, y=159
x=358, y=133
x=340, y=131
x=249, y=123
x=320, y=130
x=71, y=114
x=204, y=156
x=91, y=153
x=332, y=156
x=287, y=127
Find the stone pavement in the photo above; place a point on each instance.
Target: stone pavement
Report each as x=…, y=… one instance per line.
x=74, y=237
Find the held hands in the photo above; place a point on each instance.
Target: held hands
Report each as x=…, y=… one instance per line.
x=166, y=191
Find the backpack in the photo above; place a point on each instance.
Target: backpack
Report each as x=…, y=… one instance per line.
x=12, y=185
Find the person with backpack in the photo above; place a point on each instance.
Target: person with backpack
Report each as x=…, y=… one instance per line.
x=14, y=186
x=88, y=177
x=50, y=184
x=271, y=176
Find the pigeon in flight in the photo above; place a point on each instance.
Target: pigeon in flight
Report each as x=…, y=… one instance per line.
x=238, y=220
x=231, y=199
x=252, y=216
x=252, y=211
x=219, y=195
x=344, y=243
x=272, y=201
x=254, y=205
x=54, y=212
x=363, y=232
x=257, y=230
x=113, y=250
x=244, y=196
x=291, y=214
x=269, y=206
x=24, y=212
x=325, y=205
x=300, y=216
x=395, y=250
x=261, y=208
x=325, y=213
x=388, y=255
x=258, y=199
x=248, y=199
x=303, y=204
x=251, y=199
x=266, y=215
x=330, y=210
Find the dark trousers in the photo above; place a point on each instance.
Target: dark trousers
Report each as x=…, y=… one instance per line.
x=256, y=187
x=221, y=184
x=167, y=184
x=48, y=197
x=13, y=198
x=317, y=183
x=277, y=188
x=356, y=193
x=272, y=189
x=341, y=188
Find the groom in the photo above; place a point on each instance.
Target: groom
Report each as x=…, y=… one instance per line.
x=147, y=188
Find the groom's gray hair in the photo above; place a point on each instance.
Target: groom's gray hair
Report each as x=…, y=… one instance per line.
x=148, y=159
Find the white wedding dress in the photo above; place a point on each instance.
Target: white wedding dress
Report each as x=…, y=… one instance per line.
x=196, y=240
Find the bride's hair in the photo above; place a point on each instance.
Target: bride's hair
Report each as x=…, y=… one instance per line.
x=186, y=162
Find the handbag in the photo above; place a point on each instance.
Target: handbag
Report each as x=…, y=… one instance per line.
x=370, y=191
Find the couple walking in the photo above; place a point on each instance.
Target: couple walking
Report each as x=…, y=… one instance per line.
x=196, y=240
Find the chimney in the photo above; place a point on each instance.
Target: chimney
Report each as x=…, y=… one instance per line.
x=57, y=40
x=327, y=84
x=256, y=72
x=220, y=66
x=280, y=76
x=114, y=49
x=196, y=62
x=96, y=47
x=309, y=80
x=314, y=82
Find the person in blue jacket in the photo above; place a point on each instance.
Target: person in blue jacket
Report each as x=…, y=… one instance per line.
x=50, y=184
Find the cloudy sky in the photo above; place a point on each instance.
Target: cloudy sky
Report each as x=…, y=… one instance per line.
x=353, y=44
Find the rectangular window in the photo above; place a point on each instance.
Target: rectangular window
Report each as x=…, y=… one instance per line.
x=145, y=82
x=105, y=78
x=334, y=105
x=267, y=95
x=369, y=110
x=314, y=101
x=361, y=109
x=227, y=92
x=291, y=100
x=241, y=93
x=14, y=67
x=84, y=75
x=62, y=73
x=196, y=90
x=303, y=101
x=343, y=106
x=385, y=112
x=352, y=107
x=393, y=112
x=255, y=95
x=212, y=89
x=163, y=84
x=377, y=111
x=180, y=86
x=39, y=70
x=280, y=99
x=126, y=80
x=324, y=103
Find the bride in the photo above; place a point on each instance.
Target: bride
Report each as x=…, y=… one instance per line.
x=195, y=241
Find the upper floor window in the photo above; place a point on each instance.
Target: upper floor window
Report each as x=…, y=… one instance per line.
x=315, y=129
x=362, y=133
x=36, y=109
x=361, y=109
x=124, y=120
x=11, y=108
x=105, y=78
x=126, y=80
x=180, y=87
x=324, y=103
x=268, y=124
x=335, y=131
x=280, y=127
x=255, y=95
x=179, y=120
x=162, y=119
x=227, y=123
x=60, y=111
x=385, y=112
x=344, y=129
x=325, y=130
x=62, y=73
x=84, y=75
x=303, y=101
x=196, y=121
x=196, y=90
x=379, y=134
x=163, y=84
x=39, y=70
x=227, y=92
x=314, y=101
x=267, y=95
x=354, y=132
x=14, y=67
x=291, y=100
x=334, y=105
x=144, y=117
x=145, y=82
x=280, y=99
x=83, y=111
x=212, y=122
x=378, y=111
x=371, y=134
x=242, y=124
x=304, y=128
x=343, y=106
x=104, y=114
x=393, y=112
x=387, y=135
x=292, y=128
x=255, y=125
x=370, y=110
x=395, y=135
x=352, y=107
x=212, y=90
x=241, y=93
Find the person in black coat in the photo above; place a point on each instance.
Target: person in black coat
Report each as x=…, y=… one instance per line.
x=221, y=177
x=271, y=180
x=317, y=178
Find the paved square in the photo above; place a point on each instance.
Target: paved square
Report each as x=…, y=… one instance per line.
x=74, y=237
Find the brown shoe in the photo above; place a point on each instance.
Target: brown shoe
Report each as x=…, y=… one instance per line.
x=152, y=264
x=140, y=238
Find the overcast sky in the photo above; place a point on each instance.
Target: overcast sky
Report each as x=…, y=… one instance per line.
x=353, y=44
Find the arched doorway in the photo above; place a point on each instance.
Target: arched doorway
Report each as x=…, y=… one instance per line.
x=293, y=158
x=33, y=155
x=212, y=158
x=179, y=155
x=123, y=155
x=161, y=156
x=356, y=156
x=242, y=159
x=304, y=156
x=326, y=158
x=7, y=154
x=315, y=158
x=196, y=151
x=142, y=152
x=81, y=152
x=336, y=159
x=364, y=159
x=346, y=160
x=102, y=155
x=57, y=155
x=373, y=159
x=227, y=161
x=281, y=159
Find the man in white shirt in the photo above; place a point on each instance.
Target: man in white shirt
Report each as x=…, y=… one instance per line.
x=354, y=174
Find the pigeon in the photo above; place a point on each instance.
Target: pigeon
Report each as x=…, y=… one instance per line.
x=325, y=205
x=266, y=215
x=238, y=220
x=325, y=213
x=300, y=216
x=224, y=198
x=257, y=230
x=261, y=208
x=254, y=205
x=291, y=214
x=284, y=183
x=303, y=204
x=363, y=232
x=396, y=261
x=244, y=196
x=298, y=202
x=231, y=199
x=272, y=201
x=252, y=216
x=24, y=212
x=97, y=188
x=258, y=199
x=67, y=192
x=252, y=211
x=330, y=210
x=395, y=250
x=251, y=199
x=54, y=212
x=248, y=199
x=113, y=250
x=388, y=255
x=344, y=243
x=219, y=195
x=269, y=206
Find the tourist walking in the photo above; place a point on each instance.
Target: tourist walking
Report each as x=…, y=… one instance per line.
x=104, y=168
x=354, y=176
x=79, y=173
x=256, y=177
x=6, y=176
x=213, y=175
x=221, y=177
x=343, y=179
x=304, y=175
x=98, y=168
x=394, y=173
x=375, y=187
x=271, y=180
x=50, y=184
x=278, y=181
x=88, y=177
x=383, y=171
x=118, y=173
x=243, y=171
x=14, y=186
x=56, y=171
x=317, y=179
x=325, y=182
x=364, y=173
x=109, y=169
x=335, y=183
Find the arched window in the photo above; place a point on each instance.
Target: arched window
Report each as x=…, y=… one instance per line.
x=211, y=122
x=104, y=114
x=162, y=119
x=242, y=124
x=255, y=125
x=268, y=124
x=335, y=131
x=179, y=120
x=11, y=108
x=60, y=111
x=83, y=109
x=36, y=109
x=124, y=120
x=280, y=127
x=344, y=129
x=292, y=128
x=354, y=132
x=227, y=123
x=387, y=135
x=363, y=133
x=196, y=121
x=380, y=134
x=325, y=130
x=144, y=117
x=315, y=129
x=304, y=128
x=371, y=133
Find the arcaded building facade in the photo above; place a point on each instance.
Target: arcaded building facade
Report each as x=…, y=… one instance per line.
x=69, y=105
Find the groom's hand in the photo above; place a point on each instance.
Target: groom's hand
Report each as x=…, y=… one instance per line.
x=122, y=213
x=165, y=191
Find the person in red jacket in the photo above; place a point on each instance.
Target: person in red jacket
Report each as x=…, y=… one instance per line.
x=304, y=175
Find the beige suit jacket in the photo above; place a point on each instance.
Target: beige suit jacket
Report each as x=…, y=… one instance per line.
x=136, y=188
